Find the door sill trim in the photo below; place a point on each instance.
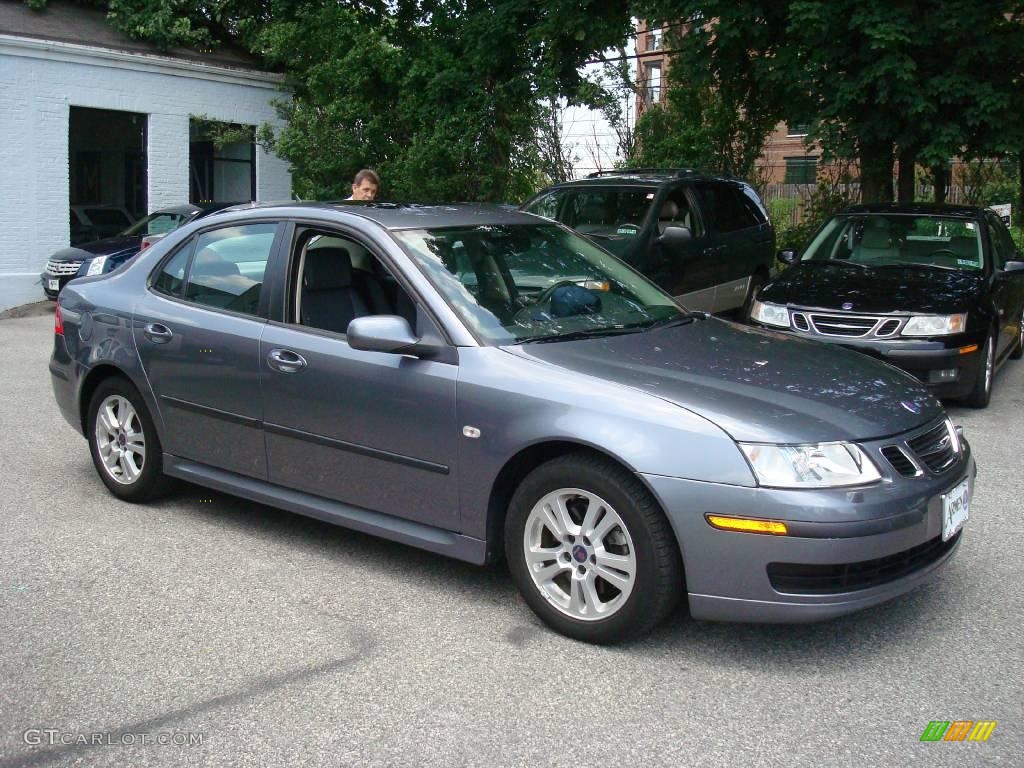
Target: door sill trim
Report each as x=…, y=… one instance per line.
x=389, y=527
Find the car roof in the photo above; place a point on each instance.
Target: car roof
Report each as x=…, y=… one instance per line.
x=394, y=216
x=644, y=176
x=920, y=209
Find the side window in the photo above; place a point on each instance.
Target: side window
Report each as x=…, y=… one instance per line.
x=228, y=266
x=754, y=205
x=707, y=199
x=1002, y=244
x=337, y=279
x=172, y=276
x=675, y=212
x=547, y=206
x=733, y=213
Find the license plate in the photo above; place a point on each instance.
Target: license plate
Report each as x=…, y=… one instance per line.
x=53, y=285
x=955, y=506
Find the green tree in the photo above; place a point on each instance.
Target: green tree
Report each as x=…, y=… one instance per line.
x=874, y=79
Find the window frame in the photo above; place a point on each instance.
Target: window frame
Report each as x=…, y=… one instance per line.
x=802, y=163
x=268, y=285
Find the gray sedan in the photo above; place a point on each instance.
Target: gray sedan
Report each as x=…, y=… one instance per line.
x=485, y=384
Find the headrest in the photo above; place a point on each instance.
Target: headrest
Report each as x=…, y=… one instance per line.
x=209, y=263
x=669, y=211
x=877, y=237
x=326, y=269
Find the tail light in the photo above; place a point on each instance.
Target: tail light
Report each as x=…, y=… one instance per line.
x=58, y=320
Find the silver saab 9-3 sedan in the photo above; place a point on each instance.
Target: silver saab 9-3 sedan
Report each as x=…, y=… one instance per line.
x=484, y=384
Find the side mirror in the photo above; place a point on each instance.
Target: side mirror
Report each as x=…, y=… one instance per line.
x=675, y=236
x=787, y=256
x=386, y=333
x=1014, y=266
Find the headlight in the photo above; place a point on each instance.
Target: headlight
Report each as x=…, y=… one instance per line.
x=96, y=265
x=821, y=465
x=770, y=314
x=935, y=325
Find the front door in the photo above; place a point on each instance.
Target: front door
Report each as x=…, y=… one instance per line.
x=688, y=271
x=197, y=331
x=369, y=429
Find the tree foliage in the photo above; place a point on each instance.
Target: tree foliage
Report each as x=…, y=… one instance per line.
x=442, y=97
x=873, y=78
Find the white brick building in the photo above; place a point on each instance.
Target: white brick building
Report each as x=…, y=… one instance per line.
x=56, y=69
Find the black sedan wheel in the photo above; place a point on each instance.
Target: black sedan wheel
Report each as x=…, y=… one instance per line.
x=591, y=551
x=982, y=392
x=123, y=441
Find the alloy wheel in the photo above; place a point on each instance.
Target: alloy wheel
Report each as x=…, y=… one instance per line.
x=120, y=439
x=579, y=554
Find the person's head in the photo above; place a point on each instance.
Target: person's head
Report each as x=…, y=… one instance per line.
x=365, y=185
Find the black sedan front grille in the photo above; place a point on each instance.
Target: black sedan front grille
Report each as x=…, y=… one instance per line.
x=843, y=325
x=805, y=579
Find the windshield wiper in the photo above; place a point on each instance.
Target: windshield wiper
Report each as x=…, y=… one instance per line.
x=916, y=265
x=671, y=322
x=591, y=333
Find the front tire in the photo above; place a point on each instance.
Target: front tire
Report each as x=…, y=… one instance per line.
x=591, y=551
x=123, y=442
x=982, y=391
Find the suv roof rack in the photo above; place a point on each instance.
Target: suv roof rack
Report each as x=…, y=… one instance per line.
x=673, y=172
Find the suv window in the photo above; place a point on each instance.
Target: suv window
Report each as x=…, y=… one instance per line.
x=1003, y=248
x=602, y=211
x=227, y=268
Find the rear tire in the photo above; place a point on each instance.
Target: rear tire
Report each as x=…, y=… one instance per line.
x=123, y=442
x=591, y=551
x=982, y=391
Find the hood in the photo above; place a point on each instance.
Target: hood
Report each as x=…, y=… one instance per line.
x=107, y=247
x=758, y=386
x=829, y=285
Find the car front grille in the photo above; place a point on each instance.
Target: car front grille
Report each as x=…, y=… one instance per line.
x=62, y=268
x=936, y=449
x=848, y=326
x=807, y=579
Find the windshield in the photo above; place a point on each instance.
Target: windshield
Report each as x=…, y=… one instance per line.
x=880, y=240
x=159, y=223
x=614, y=212
x=535, y=282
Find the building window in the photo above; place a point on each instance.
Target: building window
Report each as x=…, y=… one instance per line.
x=654, y=40
x=653, y=78
x=801, y=170
x=797, y=129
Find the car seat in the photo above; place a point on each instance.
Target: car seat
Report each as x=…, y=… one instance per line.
x=876, y=244
x=333, y=295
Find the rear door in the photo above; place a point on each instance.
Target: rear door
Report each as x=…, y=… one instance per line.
x=198, y=331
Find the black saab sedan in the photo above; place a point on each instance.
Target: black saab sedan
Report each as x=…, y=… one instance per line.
x=102, y=256
x=936, y=290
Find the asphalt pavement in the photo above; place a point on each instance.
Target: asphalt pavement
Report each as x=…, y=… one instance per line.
x=261, y=638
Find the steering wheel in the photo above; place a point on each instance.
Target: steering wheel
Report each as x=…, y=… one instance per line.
x=626, y=224
x=948, y=251
x=545, y=295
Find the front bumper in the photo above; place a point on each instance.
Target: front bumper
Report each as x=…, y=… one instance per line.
x=889, y=535
x=938, y=362
x=47, y=279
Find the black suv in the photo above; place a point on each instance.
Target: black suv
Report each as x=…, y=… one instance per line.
x=704, y=238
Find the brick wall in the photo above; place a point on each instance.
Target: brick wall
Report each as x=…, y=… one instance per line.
x=37, y=89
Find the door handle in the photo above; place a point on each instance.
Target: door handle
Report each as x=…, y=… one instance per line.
x=285, y=361
x=157, y=333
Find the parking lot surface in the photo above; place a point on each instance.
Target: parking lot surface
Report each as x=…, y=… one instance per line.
x=268, y=639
